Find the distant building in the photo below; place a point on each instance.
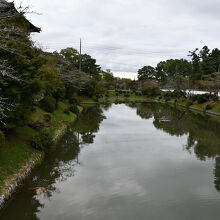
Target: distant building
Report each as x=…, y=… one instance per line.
x=8, y=10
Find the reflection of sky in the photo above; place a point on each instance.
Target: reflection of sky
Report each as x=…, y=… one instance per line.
x=134, y=171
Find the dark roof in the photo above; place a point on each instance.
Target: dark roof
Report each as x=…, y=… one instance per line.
x=7, y=10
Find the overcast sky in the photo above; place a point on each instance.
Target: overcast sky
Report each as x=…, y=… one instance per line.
x=125, y=35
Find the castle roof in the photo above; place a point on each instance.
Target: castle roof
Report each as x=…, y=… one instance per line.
x=8, y=10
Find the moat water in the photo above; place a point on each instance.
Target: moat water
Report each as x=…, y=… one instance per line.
x=127, y=161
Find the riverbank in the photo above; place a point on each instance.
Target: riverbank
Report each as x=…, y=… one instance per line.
x=18, y=158
x=184, y=103
x=210, y=107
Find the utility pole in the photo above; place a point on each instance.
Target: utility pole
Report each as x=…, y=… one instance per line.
x=218, y=63
x=80, y=57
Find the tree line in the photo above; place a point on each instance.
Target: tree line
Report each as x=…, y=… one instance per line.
x=200, y=71
x=31, y=77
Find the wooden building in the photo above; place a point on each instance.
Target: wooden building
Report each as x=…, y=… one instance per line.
x=8, y=10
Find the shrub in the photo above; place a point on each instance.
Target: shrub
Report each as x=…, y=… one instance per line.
x=138, y=93
x=47, y=118
x=193, y=98
x=202, y=98
x=74, y=99
x=167, y=94
x=66, y=111
x=48, y=104
x=167, y=99
x=151, y=91
x=127, y=95
x=96, y=98
x=208, y=107
x=178, y=94
x=42, y=141
x=74, y=109
x=182, y=100
x=189, y=103
x=2, y=139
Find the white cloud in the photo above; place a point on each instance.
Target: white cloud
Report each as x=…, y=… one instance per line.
x=126, y=35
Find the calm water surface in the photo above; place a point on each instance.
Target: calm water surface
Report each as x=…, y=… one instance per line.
x=133, y=162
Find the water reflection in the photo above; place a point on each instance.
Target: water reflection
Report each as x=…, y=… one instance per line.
x=128, y=169
x=89, y=123
x=202, y=131
x=60, y=164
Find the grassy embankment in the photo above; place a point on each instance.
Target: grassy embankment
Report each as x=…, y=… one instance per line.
x=113, y=96
x=17, y=150
x=208, y=106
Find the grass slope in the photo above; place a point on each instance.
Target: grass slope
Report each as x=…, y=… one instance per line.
x=17, y=149
x=215, y=106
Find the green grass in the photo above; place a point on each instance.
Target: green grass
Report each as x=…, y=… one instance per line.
x=132, y=94
x=183, y=101
x=18, y=150
x=216, y=108
x=86, y=99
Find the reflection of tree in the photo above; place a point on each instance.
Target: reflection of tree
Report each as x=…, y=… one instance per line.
x=107, y=106
x=146, y=111
x=217, y=174
x=89, y=123
x=203, y=133
x=131, y=105
x=59, y=165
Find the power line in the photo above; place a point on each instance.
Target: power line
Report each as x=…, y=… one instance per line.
x=95, y=48
x=128, y=51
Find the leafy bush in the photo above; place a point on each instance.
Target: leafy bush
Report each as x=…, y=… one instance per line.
x=167, y=99
x=178, y=94
x=138, y=93
x=47, y=118
x=74, y=100
x=66, y=111
x=151, y=91
x=74, y=109
x=48, y=104
x=193, y=98
x=96, y=98
x=127, y=95
x=208, y=107
x=42, y=141
x=167, y=94
x=189, y=103
x=2, y=138
x=202, y=98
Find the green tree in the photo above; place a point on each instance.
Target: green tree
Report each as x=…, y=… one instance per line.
x=108, y=78
x=196, y=73
x=208, y=64
x=146, y=73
